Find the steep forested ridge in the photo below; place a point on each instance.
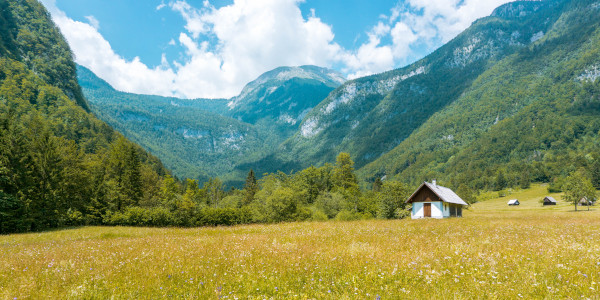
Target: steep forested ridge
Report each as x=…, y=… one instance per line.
x=532, y=116
x=369, y=116
x=28, y=37
x=59, y=165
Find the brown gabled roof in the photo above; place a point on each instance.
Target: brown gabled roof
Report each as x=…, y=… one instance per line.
x=445, y=194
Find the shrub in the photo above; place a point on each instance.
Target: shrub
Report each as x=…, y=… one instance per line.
x=401, y=213
x=318, y=215
x=346, y=215
x=210, y=216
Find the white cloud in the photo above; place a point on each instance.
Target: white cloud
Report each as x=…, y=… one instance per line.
x=93, y=51
x=93, y=21
x=443, y=19
x=415, y=23
x=250, y=37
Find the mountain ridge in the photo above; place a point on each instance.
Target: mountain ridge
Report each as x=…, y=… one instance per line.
x=374, y=108
x=205, y=138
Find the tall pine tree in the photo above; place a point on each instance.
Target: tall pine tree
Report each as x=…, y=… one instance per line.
x=250, y=188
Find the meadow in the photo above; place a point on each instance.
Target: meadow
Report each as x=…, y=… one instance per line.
x=494, y=251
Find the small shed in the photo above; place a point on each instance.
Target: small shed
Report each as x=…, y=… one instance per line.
x=513, y=202
x=433, y=201
x=549, y=201
x=584, y=202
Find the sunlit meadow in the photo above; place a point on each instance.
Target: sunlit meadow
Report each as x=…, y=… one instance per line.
x=493, y=251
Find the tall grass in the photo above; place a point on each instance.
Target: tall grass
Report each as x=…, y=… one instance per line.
x=492, y=252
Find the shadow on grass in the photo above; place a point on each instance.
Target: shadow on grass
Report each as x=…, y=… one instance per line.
x=582, y=210
x=45, y=230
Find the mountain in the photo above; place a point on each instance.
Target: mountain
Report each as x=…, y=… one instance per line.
x=204, y=138
x=532, y=115
x=281, y=98
x=367, y=117
x=510, y=100
x=59, y=164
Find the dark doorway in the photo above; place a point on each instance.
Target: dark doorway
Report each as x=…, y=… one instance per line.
x=427, y=210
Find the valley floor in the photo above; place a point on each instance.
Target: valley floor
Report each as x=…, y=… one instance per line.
x=494, y=251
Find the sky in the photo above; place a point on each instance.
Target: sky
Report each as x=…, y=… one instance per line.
x=212, y=48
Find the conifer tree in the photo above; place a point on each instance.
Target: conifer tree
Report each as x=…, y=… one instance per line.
x=250, y=188
x=377, y=185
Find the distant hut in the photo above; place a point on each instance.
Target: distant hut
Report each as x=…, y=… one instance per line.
x=513, y=202
x=549, y=201
x=584, y=202
x=433, y=201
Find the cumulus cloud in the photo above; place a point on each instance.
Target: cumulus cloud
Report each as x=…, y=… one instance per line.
x=415, y=23
x=93, y=51
x=227, y=47
x=93, y=21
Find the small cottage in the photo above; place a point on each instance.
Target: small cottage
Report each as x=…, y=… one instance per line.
x=513, y=202
x=433, y=201
x=584, y=202
x=549, y=201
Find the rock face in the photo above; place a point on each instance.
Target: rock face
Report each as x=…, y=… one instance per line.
x=369, y=116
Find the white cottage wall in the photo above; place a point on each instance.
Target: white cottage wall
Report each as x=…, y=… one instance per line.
x=437, y=210
x=417, y=210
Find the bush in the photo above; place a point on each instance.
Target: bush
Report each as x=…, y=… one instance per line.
x=346, y=215
x=223, y=216
x=138, y=216
x=401, y=213
x=330, y=203
x=303, y=214
x=74, y=218
x=318, y=215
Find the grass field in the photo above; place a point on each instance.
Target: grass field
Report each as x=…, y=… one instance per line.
x=494, y=251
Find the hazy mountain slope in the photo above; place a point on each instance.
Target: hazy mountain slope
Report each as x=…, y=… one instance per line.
x=204, y=138
x=532, y=116
x=369, y=116
x=279, y=99
x=191, y=141
x=58, y=162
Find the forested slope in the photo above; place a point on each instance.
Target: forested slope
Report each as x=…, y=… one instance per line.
x=192, y=141
x=207, y=138
x=532, y=116
x=59, y=165
x=369, y=116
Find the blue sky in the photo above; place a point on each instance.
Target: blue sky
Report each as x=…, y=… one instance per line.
x=212, y=48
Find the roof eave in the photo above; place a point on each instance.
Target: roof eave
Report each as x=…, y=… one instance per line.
x=416, y=191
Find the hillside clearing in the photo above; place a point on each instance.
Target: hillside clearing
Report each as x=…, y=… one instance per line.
x=527, y=251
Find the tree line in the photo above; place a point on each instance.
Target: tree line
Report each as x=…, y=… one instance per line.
x=316, y=193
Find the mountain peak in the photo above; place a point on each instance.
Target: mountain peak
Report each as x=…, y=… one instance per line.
x=280, y=75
